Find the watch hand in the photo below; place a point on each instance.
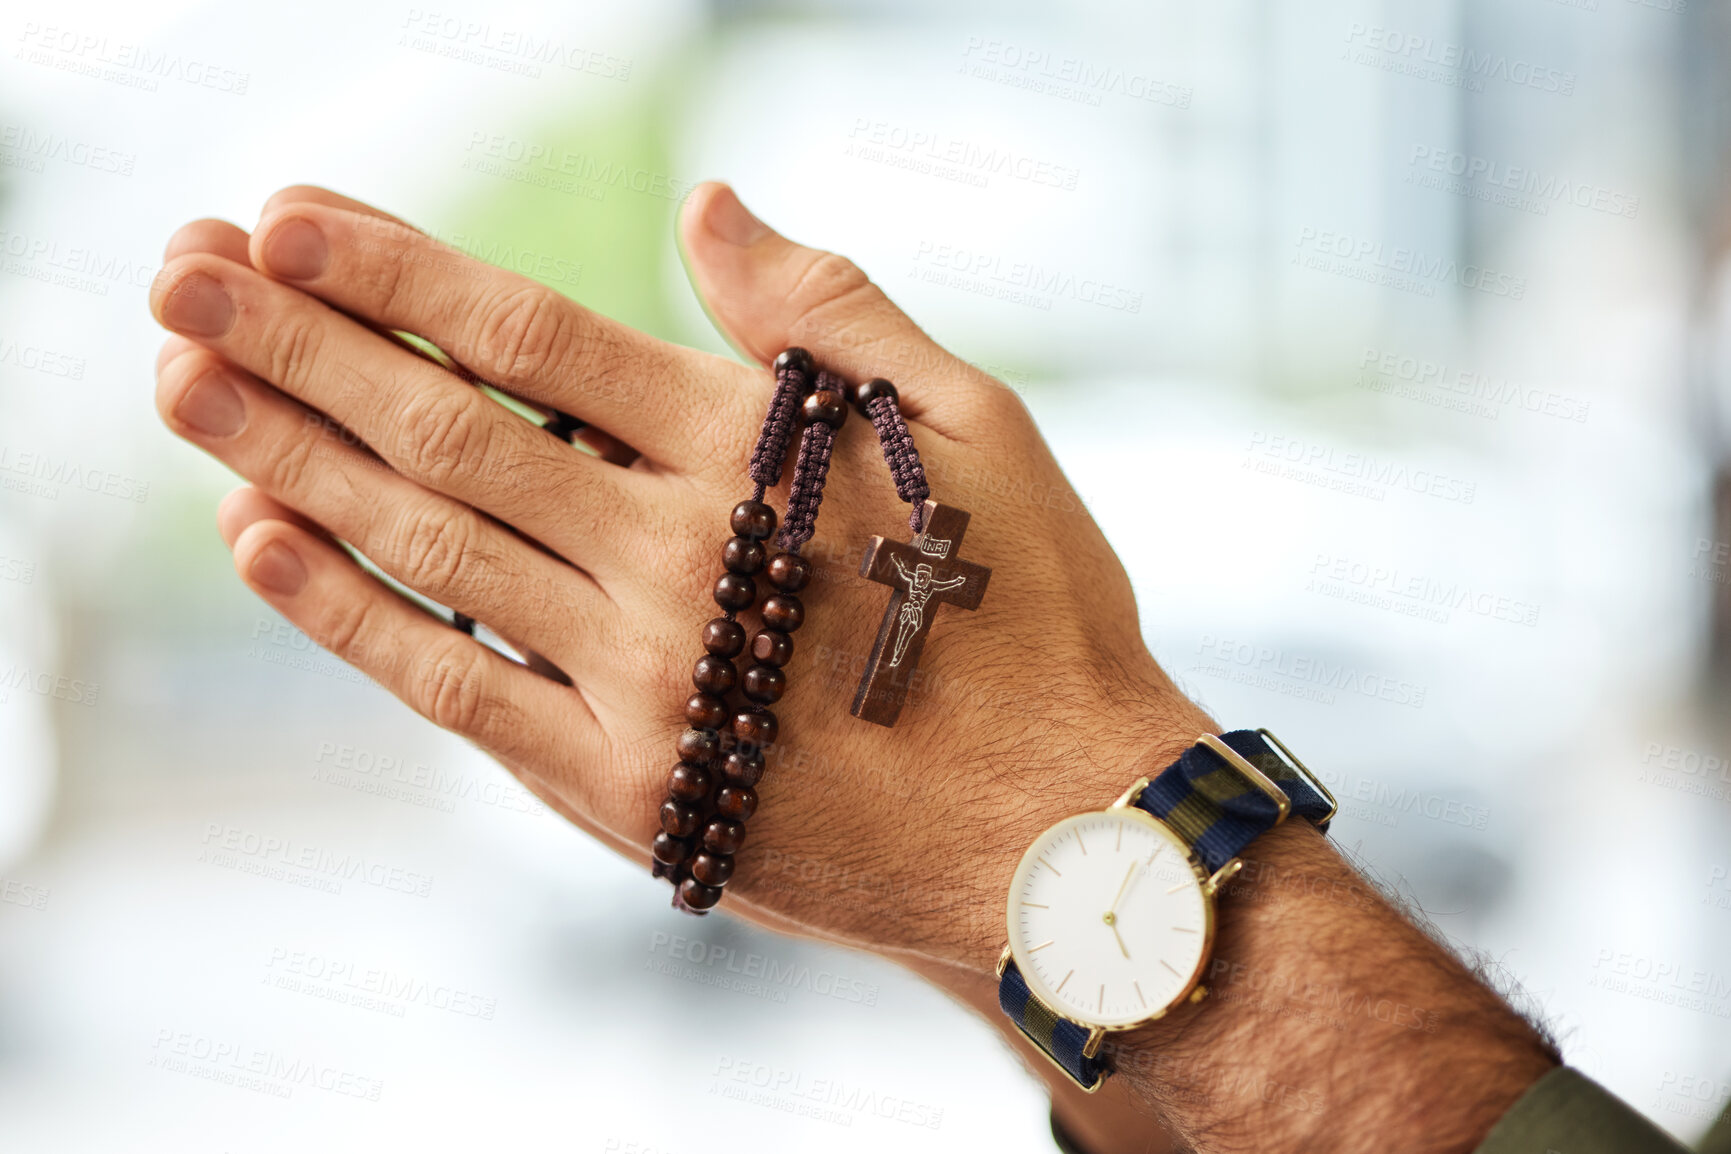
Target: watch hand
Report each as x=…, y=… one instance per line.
x=1113, y=922
x=1130, y=873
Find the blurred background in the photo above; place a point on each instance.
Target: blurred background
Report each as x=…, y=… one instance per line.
x=1389, y=342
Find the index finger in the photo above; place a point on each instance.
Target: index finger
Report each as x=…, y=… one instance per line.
x=666, y=401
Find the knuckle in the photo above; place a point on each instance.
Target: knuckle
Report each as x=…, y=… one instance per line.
x=438, y=551
x=382, y=270
x=348, y=633
x=444, y=435
x=830, y=280
x=527, y=332
x=685, y=549
x=995, y=402
x=450, y=689
x=288, y=470
x=291, y=339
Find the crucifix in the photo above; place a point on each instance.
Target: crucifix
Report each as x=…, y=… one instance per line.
x=923, y=573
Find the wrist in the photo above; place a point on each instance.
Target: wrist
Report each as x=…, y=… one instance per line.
x=1318, y=983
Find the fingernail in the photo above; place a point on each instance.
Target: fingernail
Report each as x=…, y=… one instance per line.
x=212, y=406
x=279, y=569
x=728, y=220
x=296, y=249
x=198, y=306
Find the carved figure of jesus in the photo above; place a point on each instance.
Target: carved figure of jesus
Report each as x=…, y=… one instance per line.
x=920, y=589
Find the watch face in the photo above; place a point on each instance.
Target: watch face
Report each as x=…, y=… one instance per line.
x=1108, y=921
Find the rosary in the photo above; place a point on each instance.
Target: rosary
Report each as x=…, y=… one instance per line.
x=711, y=791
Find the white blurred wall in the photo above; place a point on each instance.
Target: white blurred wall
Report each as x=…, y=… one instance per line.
x=1229, y=266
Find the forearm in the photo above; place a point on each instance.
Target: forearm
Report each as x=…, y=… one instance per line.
x=1331, y=1022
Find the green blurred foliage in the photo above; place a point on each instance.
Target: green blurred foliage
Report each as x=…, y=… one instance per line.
x=616, y=224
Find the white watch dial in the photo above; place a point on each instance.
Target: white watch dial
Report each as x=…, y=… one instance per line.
x=1108, y=921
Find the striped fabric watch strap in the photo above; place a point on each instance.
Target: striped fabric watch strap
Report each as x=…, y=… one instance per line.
x=1060, y=1038
x=1218, y=811
x=1213, y=807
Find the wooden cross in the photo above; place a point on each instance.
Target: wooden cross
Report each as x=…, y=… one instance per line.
x=923, y=573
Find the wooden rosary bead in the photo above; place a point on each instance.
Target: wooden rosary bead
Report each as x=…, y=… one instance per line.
x=735, y=592
x=784, y=612
x=723, y=835
x=679, y=819
x=715, y=675
x=794, y=358
x=707, y=711
x=698, y=896
x=755, y=728
x=826, y=407
x=699, y=746
x=736, y=802
x=772, y=647
x=864, y=393
x=752, y=519
x=789, y=572
x=723, y=637
x=742, y=555
x=712, y=869
x=743, y=767
x=765, y=684
x=670, y=850
x=688, y=782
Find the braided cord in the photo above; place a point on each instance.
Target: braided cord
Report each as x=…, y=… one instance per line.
x=900, y=455
x=810, y=472
x=778, y=426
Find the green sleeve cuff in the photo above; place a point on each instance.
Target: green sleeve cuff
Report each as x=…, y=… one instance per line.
x=1569, y=1113
x=1718, y=1139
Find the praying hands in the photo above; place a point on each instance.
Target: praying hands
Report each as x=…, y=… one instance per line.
x=594, y=560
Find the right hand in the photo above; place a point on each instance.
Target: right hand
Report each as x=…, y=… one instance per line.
x=1043, y=703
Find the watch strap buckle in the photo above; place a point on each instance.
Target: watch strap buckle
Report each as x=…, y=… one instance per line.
x=1282, y=803
x=1304, y=772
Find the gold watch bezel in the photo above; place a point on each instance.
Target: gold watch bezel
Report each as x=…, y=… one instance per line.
x=1210, y=884
x=1206, y=882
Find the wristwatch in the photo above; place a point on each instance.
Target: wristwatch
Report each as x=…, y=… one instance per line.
x=1111, y=914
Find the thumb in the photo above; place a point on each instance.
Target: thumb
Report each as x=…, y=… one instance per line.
x=766, y=293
